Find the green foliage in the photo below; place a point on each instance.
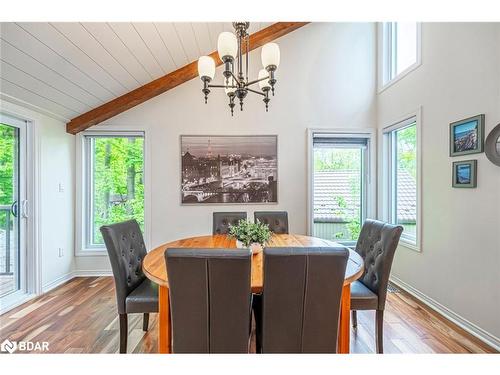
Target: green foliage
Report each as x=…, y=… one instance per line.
x=7, y=155
x=353, y=221
x=118, y=182
x=407, y=150
x=327, y=159
x=7, y=151
x=354, y=227
x=248, y=232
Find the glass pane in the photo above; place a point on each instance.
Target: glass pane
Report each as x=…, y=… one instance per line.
x=117, y=183
x=9, y=209
x=406, y=179
x=406, y=45
x=337, y=192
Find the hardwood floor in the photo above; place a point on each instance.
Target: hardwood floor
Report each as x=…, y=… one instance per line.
x=80, y=317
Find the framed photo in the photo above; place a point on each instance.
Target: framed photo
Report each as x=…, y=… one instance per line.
x=465, y=174
x=467, y=136
x=227, y=169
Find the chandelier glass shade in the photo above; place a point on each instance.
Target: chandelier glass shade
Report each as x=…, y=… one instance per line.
x=233, y=50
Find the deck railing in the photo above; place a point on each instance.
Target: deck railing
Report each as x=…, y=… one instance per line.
x=330, y=229
x=5, y=267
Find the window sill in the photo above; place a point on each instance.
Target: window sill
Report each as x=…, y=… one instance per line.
x=91, y=252
x=399, y=77
x=410, y=245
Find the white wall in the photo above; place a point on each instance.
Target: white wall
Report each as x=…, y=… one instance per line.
x=459, y=266
x=56, y=153
x=326, y=79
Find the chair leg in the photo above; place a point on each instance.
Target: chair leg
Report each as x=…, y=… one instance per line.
x=354, y=318
x=257, y=313
x=123, y=333
x=145, y=322
x=379, y=330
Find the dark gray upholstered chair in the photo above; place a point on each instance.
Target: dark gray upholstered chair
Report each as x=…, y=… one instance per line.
x=301, y=299
x=210, y=299
x=277, y=220
x=134, y=292
x=222, y=220
x=377, y=244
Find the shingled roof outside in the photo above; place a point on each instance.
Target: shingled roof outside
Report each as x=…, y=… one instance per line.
x=336, y=197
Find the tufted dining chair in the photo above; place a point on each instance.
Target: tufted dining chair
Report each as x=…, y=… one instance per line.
x=210, y=299
x=277, y=220
x=301, y=299
x=134, y=292
x=222, y=220
x=376, y=244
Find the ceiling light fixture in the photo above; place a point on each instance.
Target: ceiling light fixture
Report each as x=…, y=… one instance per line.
x=236, y=84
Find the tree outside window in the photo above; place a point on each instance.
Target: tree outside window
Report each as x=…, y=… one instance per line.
x=116, y=188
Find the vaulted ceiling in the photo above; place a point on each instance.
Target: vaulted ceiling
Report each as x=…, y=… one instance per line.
x=71, y=68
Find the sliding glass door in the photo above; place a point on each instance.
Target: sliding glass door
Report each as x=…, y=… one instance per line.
x=340, y=169
x=12, y=207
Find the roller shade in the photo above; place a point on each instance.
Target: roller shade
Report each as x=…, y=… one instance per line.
x=325, y=140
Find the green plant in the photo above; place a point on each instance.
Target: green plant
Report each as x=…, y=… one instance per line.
x=248, y=232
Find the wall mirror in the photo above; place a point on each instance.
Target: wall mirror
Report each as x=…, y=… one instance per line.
x=492, y=145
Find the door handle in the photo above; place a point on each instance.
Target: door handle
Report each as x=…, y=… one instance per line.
x=24, y=211
x=13, y=209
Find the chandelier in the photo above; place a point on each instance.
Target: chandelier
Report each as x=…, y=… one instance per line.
x=236, y=84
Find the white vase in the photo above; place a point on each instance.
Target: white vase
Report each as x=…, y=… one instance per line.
x=254, y=247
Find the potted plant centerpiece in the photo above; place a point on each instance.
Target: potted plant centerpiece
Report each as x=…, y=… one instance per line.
x=250, y=235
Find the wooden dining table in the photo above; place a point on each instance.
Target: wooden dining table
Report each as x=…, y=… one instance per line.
x=154, y=267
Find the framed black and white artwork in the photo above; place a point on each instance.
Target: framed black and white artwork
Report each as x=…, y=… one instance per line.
x=226, y=169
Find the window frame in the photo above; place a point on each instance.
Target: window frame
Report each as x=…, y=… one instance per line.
x=83, y=188
x=369, y=204
x=386, y=58
x=389, y=192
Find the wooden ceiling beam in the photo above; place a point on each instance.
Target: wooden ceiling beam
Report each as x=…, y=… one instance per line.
x=169, y=81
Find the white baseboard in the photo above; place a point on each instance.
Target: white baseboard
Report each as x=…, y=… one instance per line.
x=92, y=273
x=58, y=281
x=71, y=275
x=471, y=328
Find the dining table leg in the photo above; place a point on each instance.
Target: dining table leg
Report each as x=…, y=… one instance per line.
x=345, y=321
x=164, y=327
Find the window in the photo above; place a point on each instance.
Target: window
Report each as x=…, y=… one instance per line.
x=403, y=174
x=400, y=50
x=340, y=164
x=113, y=183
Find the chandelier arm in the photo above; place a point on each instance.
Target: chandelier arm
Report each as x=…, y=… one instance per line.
x=256, y=92
x=222, y=86
x=234, y=77
x=246, y=56
x=256, y=81
x=240, y=62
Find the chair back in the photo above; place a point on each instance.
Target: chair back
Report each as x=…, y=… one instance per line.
x=301, y=299
x=222, y=220
x=377, y=244
x=126, y=250
x=210, y=298
x=277, y=220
